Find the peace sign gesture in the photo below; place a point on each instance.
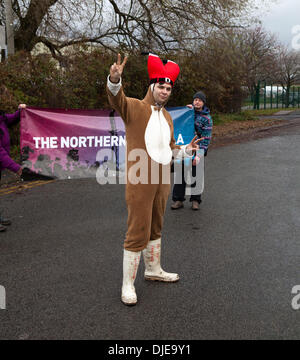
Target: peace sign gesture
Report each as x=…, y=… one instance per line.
x=116, y=69
x=193, y=145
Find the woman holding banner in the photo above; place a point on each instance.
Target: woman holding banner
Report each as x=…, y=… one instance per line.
x=6, y=162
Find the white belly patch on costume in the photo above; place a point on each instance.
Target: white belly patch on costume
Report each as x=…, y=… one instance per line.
x=158, y=137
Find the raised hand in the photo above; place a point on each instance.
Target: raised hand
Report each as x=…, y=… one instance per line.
x=116, y=69
x=193, y=145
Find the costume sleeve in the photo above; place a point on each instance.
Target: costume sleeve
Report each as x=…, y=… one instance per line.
x=117, y=99
x=7, y=162
x=11, y=119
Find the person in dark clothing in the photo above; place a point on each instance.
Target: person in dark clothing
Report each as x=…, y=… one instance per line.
x=203, y=129
x=6, y=162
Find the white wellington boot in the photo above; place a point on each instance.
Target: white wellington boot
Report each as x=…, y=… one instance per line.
x=131, y=262
x=153, y=270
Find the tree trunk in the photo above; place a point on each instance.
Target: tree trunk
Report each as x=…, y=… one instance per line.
x=26, y=36
x=9, y=28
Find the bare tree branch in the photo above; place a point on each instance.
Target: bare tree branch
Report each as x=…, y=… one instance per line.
x=158, y=25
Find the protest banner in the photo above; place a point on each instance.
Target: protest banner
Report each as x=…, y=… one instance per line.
x=64, y=144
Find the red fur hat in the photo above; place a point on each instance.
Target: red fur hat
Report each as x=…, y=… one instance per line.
x=162, y=72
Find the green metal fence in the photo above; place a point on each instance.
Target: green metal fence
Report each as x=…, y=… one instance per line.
x=273, y=96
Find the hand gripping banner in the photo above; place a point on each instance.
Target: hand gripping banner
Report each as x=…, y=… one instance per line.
x=66, y=144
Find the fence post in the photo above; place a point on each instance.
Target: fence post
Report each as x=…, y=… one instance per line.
x=277, y=100
x=271, y=102
x=294, y=96
x=256, y=99
x=265, y=96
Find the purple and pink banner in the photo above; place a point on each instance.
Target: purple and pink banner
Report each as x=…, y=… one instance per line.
x=64, y=143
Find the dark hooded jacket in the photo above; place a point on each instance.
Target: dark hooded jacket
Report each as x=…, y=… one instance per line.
x=6, y=121
x=203, y=127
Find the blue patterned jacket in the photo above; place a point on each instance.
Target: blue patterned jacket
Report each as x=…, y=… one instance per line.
x=203, y=127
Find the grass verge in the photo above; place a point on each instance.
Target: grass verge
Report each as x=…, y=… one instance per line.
x=246, y=115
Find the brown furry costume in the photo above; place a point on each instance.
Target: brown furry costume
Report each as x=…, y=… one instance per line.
x=146, y=128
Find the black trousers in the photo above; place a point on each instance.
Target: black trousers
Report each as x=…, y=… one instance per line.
x=0, y=180
x=179, y=189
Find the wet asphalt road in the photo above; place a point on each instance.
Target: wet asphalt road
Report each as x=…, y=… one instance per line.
x=238, y=257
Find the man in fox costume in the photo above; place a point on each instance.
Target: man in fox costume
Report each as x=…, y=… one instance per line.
x=149, y=131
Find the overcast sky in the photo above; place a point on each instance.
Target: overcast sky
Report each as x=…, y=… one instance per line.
x=281, y=18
